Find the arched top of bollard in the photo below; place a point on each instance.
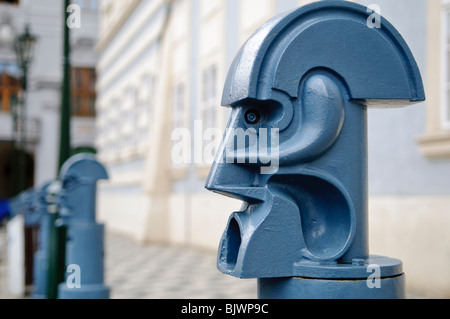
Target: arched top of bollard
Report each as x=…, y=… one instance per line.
x=84, y=167
x=375, y=62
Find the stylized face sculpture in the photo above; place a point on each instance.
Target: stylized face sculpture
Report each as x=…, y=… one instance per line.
x=295, y=150
x=269, y=166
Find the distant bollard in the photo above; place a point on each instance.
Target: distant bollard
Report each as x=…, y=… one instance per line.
x=57, y=242
x=44, y=201
x=299, y=90
x=24, y=204
x=85, y=237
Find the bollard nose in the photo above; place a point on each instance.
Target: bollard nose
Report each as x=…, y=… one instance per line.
x=236, y=182
x=230, y=177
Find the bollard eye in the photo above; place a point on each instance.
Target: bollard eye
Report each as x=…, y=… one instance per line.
x=253, y=117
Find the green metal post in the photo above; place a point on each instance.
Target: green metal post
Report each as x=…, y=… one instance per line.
x=58, y=233
x=64, y=147
x=56, y=255
x=22, y=133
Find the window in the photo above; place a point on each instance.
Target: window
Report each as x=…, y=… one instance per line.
x=114, y=129
x=129, y=121
x=435, y=142
x=100, y=126
x=180, y=145
x=89, y=5
x=143, y=113
x=9, y=90
x=445, y=27
x=83, y=92
x=178, y=106
x=16, y=2
x=209, y=97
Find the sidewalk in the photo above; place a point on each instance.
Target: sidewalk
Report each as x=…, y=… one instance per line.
x=135, y=271
x=165, y=272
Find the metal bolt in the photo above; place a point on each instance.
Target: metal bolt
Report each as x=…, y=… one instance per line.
x=252, y=117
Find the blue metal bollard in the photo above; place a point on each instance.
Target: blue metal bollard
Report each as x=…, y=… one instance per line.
x=85, y=237
x=299, y=89
x=24, y=204
x=44, y=202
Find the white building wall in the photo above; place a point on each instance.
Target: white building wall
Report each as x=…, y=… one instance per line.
x=128, y=63
x=158, y=201
x=45, y=18
x=196, y=37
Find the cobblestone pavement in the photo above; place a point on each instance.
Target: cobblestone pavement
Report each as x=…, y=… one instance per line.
x=166, y=272
x=134, y=271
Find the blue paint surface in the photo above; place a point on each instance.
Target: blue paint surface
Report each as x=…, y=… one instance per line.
x=308, y=77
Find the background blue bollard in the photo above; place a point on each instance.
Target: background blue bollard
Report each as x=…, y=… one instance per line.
x=24, y=204
x=44, y=202
x=303, y=81
x=85, y=237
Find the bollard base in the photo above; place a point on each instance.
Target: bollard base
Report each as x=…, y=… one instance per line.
x=85, y=292
x=309, y=288
x=40, y=275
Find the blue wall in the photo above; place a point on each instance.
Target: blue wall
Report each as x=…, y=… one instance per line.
x=395, y=164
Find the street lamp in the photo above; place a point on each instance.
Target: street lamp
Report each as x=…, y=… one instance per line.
x=24, y=47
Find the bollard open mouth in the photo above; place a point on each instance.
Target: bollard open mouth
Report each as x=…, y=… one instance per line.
x=326, y=212
x=229, y=247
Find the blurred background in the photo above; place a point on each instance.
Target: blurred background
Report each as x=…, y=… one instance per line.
x=141, y=68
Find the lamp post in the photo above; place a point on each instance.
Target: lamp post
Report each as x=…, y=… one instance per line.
x=64, y=144
x=56, y=271
x=24, y=46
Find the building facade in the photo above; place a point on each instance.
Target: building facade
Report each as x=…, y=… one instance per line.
x=43, y=97
x=162, y=66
